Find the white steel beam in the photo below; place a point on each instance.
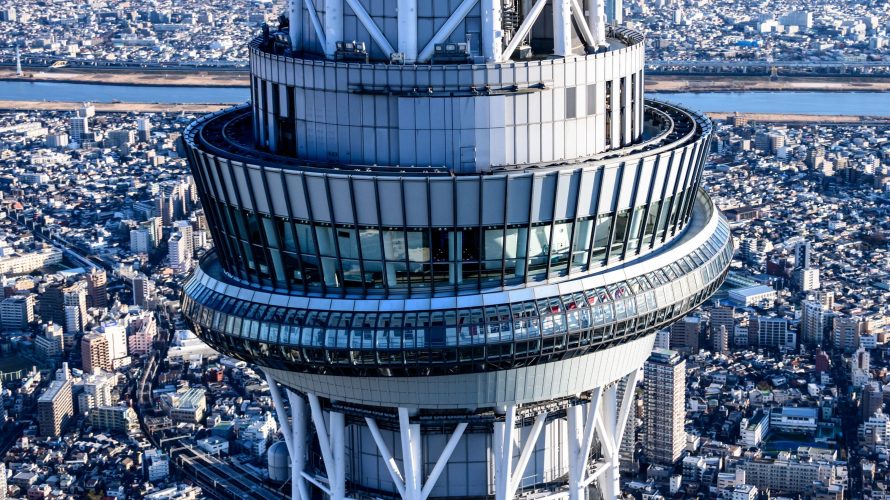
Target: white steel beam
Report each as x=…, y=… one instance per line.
x=575, y=437
x=562, y=28
x=295, y=24
x=407, y=22
x=388, y=459
x=298, y=455
x=316, y=23
x=627, y=400
x=609, y=484
x=596, y=20
x=524, y=29
x=333, y=26
x=503, y=449
x=410, y=437
x=332, y=468
x=492, y=34
x=581, y=22
x=442, y=461
x=278, y=402
x=447, y=29
x=527, y=449
x=371, y=26
x=338, y=449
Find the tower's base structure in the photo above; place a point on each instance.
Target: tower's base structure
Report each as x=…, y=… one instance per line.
x=449, y=258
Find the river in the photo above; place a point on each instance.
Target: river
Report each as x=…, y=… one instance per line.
x=785, y=102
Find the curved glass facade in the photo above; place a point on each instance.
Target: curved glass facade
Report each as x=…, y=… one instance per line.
x=457, y=340
x=430, y=234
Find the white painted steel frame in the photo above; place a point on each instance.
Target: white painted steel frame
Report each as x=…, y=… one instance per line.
x=603, y=418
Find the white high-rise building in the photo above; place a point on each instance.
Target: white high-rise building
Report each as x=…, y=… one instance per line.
x=665, y=403
x=77, y=127
x=815, y=322
x=178, y=253
x=140, y=240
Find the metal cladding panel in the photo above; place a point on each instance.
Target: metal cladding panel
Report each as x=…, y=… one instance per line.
x=390, y=200
x=442, y=201
x=341, y=199
x=519, y=192
x=676, y=156
x=365, y=199
x=300, y=207
x=276, y=192
x=567, y=194
x=318, y=197
x=608, y=193
x=543, y=198
x=493, y=192
x=416, y=202
x=467, y=197
x=664, y=160
x=257, y=182
x=645, y=180
x=588, y=187
x=241, y=185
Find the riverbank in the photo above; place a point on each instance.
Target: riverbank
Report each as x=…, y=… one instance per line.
x=111, y=107
x=654, y=83
x=192, y=78
x=703, y=83
x=120, y=107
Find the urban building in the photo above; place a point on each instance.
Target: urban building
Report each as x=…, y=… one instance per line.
x=17, y=312
x=665, y=402
x=95, y=353
x=156, y=465
x=55, y=408
x=846, y=332
x=500, y=199
x=121, y=419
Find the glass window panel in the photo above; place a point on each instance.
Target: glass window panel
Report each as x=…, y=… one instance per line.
x=306, y=238
x=538, y=249
x=581, y=245
x=622, y=220
x=633, y=235
x=394, y=245
x=562, y=232
x=370, y=241
x=601, y=238
x=469, y=244
x=347, y=243
x=418, y=246
x=325, y=237
x=271, y=233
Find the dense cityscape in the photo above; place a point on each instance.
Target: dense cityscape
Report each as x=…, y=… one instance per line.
x=776, y=386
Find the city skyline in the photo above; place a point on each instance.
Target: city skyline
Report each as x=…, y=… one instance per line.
x=423, y=262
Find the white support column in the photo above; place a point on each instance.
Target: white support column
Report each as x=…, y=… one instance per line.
x=412, y=431
x=316, y=23
x=410, y=436
x=278, y=402
x=371, y=26
x=492, y=34
x=576, y=467
x=609, y=484
x=504, y=433
x=525, y=455
x=338, y=448
x=407, y=21
x=442, y=461
x=562, y=28
x=596, y=20
x=333, y=26
x=447, y=29
x=295, y=24
x=581, y=22
x=387, y=457
x=524, y=29
x=325, y=441
x=298, y=453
